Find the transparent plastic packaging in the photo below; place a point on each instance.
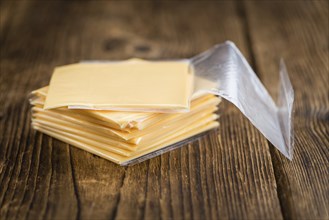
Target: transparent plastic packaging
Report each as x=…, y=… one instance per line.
x=236, y=82
x=224, y=71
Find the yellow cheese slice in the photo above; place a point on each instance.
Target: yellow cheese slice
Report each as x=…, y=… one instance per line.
x=114, y=119
x=116, y=146
x=123, y=136
x=156, y=133
x=132, y=85
x=73, y=117
x=79, y=141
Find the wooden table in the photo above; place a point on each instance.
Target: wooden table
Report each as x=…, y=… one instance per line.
x=232, y=173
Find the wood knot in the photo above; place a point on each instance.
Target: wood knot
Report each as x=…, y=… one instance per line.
x=114, y=44
x=142, y=48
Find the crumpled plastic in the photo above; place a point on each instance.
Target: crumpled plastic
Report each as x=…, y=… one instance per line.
x=224, y=71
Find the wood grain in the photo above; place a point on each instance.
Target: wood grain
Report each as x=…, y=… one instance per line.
x=231, y=173
x=298, y=31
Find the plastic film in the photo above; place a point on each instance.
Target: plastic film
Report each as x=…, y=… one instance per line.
x=224, y=71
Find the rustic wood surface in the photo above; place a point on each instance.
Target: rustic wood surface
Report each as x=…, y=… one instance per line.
x=231, y=173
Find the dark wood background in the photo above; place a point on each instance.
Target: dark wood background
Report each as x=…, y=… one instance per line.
x=232, y=173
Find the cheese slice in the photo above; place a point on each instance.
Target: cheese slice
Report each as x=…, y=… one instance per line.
x=116, y=119
x=81, y=118
x=146, y=139
x=132, y=85
x=123, y=137
x=107, y=153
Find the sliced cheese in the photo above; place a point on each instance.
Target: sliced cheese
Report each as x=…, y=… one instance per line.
x=132, y=85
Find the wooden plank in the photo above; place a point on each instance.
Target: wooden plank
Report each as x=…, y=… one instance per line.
x=225, y=174
x=298, y=31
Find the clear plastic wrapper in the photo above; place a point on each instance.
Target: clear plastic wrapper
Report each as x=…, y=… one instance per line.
x=232, y=78
x=224, y=71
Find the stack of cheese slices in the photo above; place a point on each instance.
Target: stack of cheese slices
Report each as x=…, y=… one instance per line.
x=123, y=137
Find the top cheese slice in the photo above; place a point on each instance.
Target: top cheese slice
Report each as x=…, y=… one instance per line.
x=132, y=85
